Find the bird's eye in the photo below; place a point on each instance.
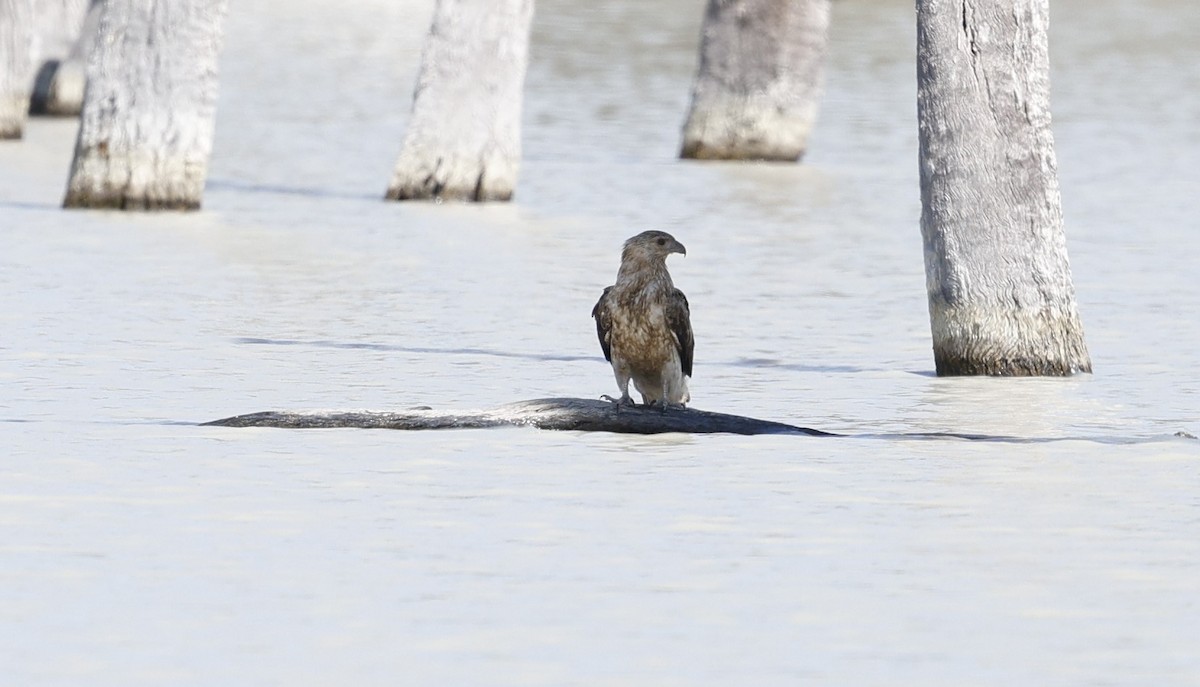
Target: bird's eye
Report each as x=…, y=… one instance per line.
x=662, y=242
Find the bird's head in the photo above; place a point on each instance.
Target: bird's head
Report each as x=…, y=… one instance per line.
x=651, y=246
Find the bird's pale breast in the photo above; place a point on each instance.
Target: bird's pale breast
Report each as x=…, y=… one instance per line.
x=640, y=335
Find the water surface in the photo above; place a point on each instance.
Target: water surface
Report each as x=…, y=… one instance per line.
x=141, y=549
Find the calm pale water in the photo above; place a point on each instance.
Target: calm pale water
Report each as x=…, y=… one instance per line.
x=137, y=548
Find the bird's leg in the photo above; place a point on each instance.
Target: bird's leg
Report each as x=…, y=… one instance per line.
x=624, y=400
x=664, y=405
x=662, y=400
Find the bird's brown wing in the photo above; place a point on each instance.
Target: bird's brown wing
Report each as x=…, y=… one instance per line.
x=679, y=319
x=603, y=322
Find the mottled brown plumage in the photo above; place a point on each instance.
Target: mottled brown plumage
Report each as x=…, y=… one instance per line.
x=644, y=323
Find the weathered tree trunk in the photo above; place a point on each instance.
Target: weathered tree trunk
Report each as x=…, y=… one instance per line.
x=757, y=90
x=69, y=29
x=147, y=121
x=577, y=414
x=464, y=138
x=1001, y=301
x=17, y=50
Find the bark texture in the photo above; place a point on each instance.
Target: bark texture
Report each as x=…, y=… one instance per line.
x=147, y=122
x=545, y=413
x=1001, y=300
x=68, y=31
x=17, y=51
x=758, y=88
x=464, y=138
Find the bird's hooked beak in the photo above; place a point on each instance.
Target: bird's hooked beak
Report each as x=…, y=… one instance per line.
x=677, y=247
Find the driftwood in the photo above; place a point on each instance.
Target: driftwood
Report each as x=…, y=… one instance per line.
x=545, y=413
x=602, y=416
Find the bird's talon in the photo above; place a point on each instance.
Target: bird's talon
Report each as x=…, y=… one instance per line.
x=617, y=402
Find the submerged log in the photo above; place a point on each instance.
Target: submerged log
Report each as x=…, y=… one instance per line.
x=545, y=413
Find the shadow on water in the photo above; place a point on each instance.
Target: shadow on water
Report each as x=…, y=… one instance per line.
x=228, y=185
x=760, y=363
x=413, y=349
x=740, y=362
x=999, y=439
x=306, y=192
x=22, y=205
x=896, y=436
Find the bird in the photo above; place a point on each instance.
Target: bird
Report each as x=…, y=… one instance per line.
x=644, y=324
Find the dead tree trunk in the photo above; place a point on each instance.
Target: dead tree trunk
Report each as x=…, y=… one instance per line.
x=464, y=138
x=574, y=414
x=757, y=90
x=1001, y=301
x=69, y=29
x=17, y=50
x=147, y=120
